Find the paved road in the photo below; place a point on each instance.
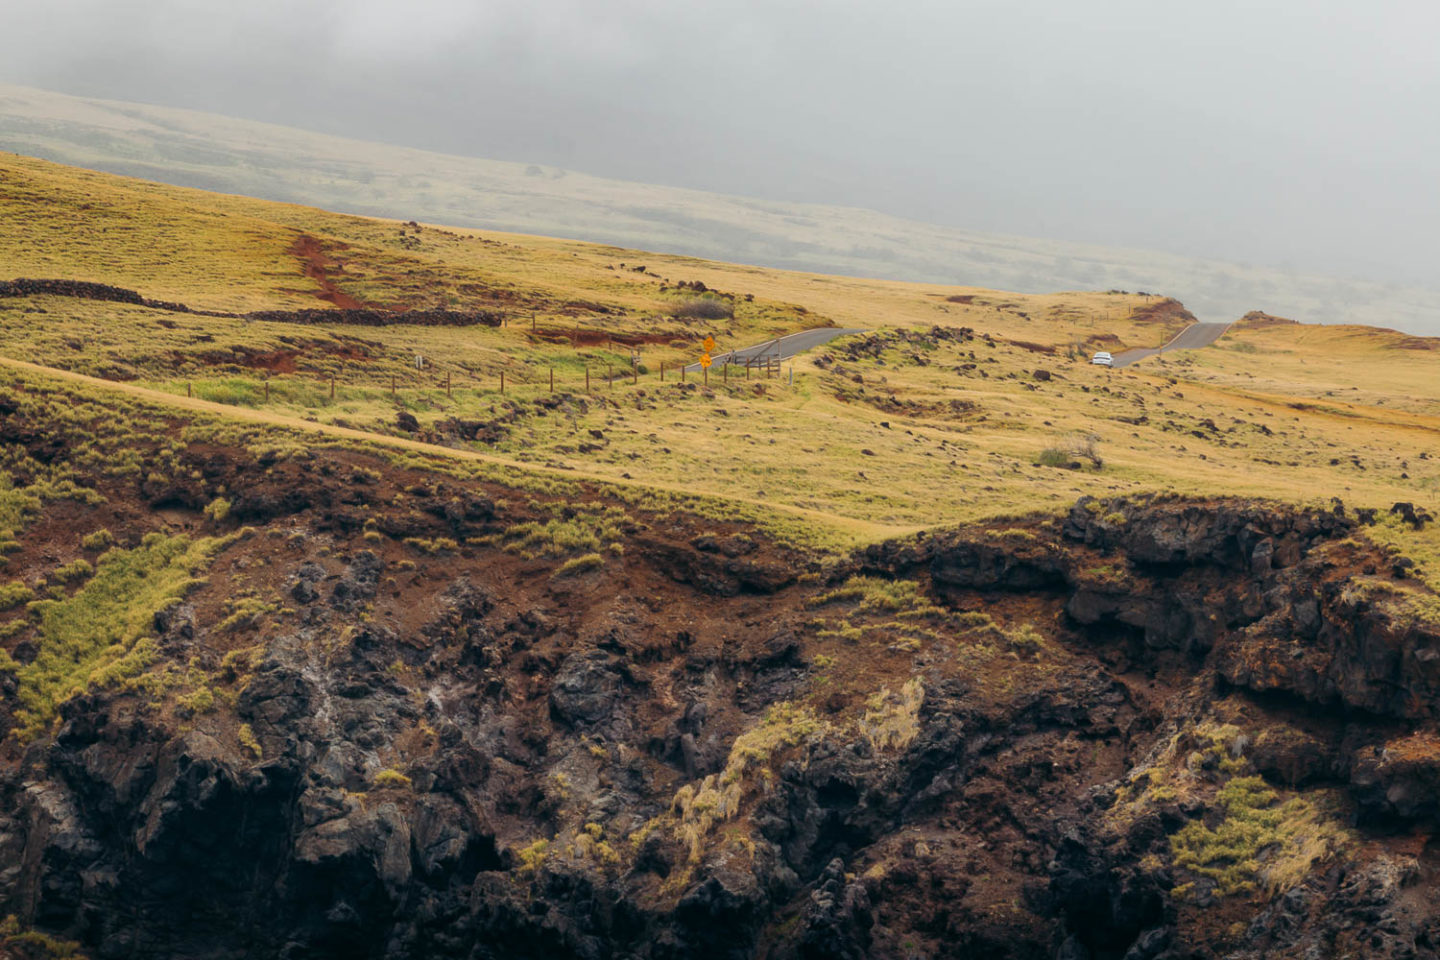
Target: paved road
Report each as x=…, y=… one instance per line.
x=782, y=347
x=1193, y=336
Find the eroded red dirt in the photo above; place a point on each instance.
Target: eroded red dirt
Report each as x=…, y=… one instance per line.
x=318, y=265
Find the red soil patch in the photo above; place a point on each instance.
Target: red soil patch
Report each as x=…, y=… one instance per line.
x=279, y=361
x=1168, y=311
x=1258, y=320
x=317, y=265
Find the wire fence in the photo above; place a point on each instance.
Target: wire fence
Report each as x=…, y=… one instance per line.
x=593, y=378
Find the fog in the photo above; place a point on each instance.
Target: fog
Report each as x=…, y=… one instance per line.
x=1299, y=134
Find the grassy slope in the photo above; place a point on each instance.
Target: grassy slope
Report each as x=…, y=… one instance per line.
x=221, y=153
x=875, y=442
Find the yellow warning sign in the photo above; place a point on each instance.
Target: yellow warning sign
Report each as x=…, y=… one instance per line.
x=709, y=345
x=705, y=360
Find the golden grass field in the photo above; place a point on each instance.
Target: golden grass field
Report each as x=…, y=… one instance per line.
x=875, y=437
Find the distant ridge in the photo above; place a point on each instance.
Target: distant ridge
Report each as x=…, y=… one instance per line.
x=189, y=148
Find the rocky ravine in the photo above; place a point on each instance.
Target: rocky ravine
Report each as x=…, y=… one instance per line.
x=1155, y=729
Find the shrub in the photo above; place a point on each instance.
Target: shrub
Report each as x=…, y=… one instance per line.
x=98, y=540
x=202, y=700
x=1070, y=452
x=71, y=572
x=532, y=857
x=13, y=594
x=218, y=509
x=704, y=308
x=1053, y=457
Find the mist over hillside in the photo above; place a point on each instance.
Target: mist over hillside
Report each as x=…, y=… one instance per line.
x=190, y=148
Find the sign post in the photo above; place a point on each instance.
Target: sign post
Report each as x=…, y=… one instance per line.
x=705, y=360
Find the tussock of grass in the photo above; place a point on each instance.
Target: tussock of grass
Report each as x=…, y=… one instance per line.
x=891, y=721
x=532, y=856
x=433, y=546
x=99, y=540
x=874, y=594
x=73, y=571
x=585, y=532
x=581, y=564
x=1291, y=836
x=249, y=741
x=389, y=778
x=244, y=613
x=13, y=594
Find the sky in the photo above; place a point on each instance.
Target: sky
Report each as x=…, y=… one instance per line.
x=1300, y=134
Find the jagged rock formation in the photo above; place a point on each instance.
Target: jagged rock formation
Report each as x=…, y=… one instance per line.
x=684, y=751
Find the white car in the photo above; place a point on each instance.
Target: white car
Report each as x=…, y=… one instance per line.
x=1102, y=358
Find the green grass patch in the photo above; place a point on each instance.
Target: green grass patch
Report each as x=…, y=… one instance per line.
x=1289, y=836
x=102, y=634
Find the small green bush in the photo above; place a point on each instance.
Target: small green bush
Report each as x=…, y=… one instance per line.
x=71, y=572
x=13, y=594
x=98, y=540
x=1053, y=457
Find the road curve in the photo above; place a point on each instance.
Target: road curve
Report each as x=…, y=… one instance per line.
x=1193, y=336
x=781, y=347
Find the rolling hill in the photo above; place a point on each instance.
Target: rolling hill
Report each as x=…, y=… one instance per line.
x=371, y=588
x=237, y=156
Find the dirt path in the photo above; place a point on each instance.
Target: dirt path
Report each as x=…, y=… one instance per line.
x=860, y=529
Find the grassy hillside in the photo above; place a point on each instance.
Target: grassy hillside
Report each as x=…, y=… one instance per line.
x=225, y=154
x=960, y=403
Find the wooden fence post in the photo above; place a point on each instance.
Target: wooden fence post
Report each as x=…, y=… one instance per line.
x=447, y=383
x=187, y=390
x=267, y=391
x=552, y=379
x=502, y=382
x=587, y=379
